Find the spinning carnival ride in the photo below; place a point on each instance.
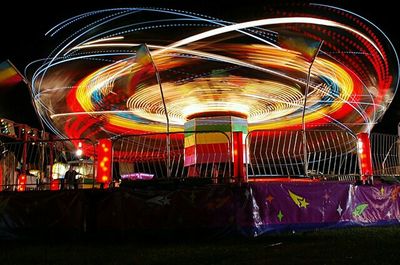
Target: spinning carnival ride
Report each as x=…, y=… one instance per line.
x=96, y=84
x=173, y=93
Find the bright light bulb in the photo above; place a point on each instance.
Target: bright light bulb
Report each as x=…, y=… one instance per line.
x=79, y=152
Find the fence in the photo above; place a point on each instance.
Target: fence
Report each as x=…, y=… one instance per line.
x=280, y=153
x=174, y=155
x=385, y=154
x=331, y=155
x=38, y=164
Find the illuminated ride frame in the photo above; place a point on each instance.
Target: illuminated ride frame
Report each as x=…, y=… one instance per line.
x=144, y=71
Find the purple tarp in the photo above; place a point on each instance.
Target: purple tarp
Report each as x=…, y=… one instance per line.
x=277, y=206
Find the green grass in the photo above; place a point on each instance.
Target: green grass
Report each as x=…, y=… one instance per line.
x=378, y=245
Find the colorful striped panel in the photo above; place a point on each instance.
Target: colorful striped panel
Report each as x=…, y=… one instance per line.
x=207, y=153
x=203, y=147
x=239, y=125
x=190, y=140
x=190, y=160
x=202, y=159
x=206, y=138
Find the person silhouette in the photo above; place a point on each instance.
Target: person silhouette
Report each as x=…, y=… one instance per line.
x=70, y=178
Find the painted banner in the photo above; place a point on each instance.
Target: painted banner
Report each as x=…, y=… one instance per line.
x=298, y=206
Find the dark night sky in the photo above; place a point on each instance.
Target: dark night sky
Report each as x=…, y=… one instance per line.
x=23, y=27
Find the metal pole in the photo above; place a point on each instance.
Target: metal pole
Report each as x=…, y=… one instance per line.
x=305, y=153
x=42, y=133
x=165, y=110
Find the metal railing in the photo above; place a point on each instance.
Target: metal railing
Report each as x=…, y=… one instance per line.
x=280, y=153
x=385, y=154
x=44, y=161
x=331, y=154
x=204, y=154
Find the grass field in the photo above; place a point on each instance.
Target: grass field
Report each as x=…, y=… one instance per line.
x=378, y=245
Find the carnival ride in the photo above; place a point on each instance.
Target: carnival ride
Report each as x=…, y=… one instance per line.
x=166, y=93
x=134, y=71
x=93, y=84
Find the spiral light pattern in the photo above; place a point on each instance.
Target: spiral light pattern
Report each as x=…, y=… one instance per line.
x=92, y=86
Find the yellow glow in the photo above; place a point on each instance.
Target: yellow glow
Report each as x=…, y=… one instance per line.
x=260, y=100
